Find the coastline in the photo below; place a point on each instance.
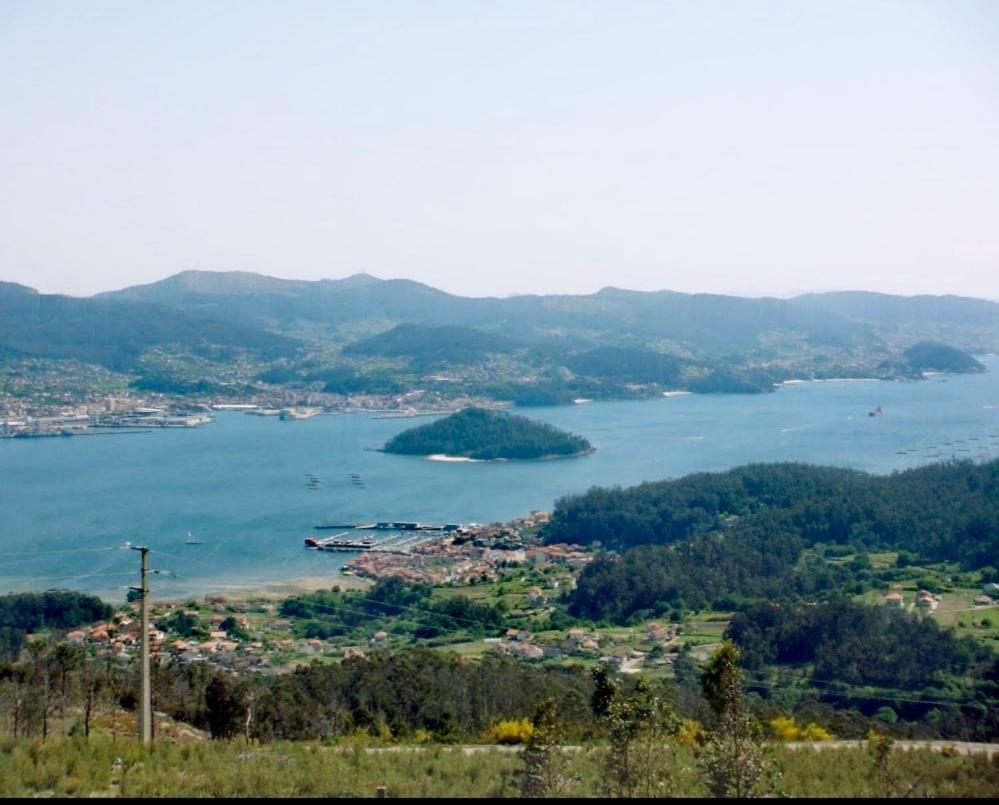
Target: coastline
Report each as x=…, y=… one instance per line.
x=276, y=590
x=466, y=460
x=461, y=459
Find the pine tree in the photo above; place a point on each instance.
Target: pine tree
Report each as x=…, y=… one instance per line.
x=224, y=707
x=641, y=758
x=542, y=774
x=733, y=760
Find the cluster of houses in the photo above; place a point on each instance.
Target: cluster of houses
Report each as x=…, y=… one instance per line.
x=927, y=601
x=990, y=592
x=118, y=637
x=477, y=555
x=578, y=642
x=924, y=600
x=121, y=638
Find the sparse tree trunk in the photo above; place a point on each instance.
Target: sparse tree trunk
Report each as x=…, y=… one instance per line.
x=249, y=718
x=46, y=692
x=18, y=702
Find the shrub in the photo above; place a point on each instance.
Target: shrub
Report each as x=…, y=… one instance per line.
x=785, y=728
x=691, y=734
x=512, y=731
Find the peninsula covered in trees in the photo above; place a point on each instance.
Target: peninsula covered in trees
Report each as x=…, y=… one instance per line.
x=476, y=433
x=759, y=533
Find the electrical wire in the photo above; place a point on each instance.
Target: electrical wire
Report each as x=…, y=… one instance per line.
x=967, y=703
x=397, y=606
x=61, y=551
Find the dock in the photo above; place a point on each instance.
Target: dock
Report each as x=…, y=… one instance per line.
x=394, y=525
x=352, y=526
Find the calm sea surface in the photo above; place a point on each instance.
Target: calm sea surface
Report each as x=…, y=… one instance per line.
x=239, y=484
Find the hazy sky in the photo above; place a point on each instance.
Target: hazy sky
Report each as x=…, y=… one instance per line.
x=504, y=147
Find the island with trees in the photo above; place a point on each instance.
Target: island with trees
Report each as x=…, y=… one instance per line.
x=484, y=435
x=927, y=356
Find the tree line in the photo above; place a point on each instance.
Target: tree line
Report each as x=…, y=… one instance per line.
x=24, y=613
x=939, y=512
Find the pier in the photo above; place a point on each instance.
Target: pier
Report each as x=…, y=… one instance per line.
x=394, y=525
x=407, y=534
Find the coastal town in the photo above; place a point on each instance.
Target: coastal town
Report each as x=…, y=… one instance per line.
x=243, y=633
x=134, y=413
x=476, y=553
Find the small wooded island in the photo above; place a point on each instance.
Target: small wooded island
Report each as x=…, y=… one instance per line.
x=483, y=435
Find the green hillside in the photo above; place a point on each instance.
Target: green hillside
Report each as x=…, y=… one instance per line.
x=926, y=356
x=116, y=333
x=485, y=435
x=365, y=335
x=433, y=346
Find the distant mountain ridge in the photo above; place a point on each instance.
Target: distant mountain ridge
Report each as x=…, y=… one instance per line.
x=711, y=321
x=115, y=333
x=671, y=314
x=889, y=309
x=365, y=334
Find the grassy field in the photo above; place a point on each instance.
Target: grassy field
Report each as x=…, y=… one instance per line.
x=102, y=767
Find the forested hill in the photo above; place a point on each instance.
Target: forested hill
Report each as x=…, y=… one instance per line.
x=702, y=321
x=927, y=356
x=890, y=310
x=480, y=434
x=362, y=334
x=940, y=511
x=968, y=323
x=115, y=333
x=433, y=346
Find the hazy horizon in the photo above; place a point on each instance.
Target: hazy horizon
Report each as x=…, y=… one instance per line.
x=787, y=295
x=752, y=149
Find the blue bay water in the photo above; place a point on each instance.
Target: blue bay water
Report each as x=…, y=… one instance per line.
x=239, y=484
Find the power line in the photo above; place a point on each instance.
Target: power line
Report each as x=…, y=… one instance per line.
x=967, y=703
x=333, y=607
x=67, y=550
x=341, y=608
x=862, y=687
x=171, y=555
x=823, y=681
x=66, y=577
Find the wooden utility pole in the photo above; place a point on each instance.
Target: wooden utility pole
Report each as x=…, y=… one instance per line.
x=145, y=724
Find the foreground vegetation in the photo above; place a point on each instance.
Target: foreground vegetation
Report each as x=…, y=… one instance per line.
x=102, y=767
x=642, y=748
x=790, y=562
